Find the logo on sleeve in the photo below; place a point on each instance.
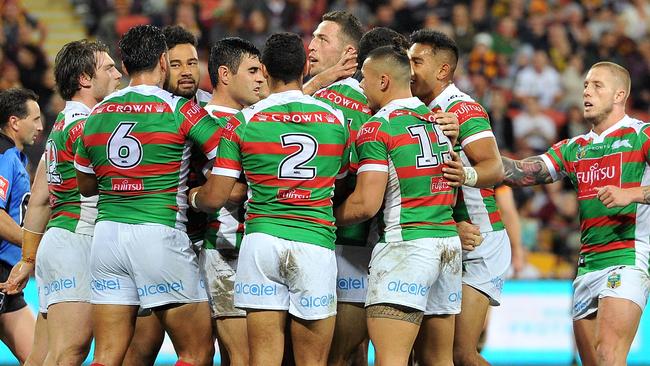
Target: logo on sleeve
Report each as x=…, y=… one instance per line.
x=193, y=112
x=368, y=132
x=468, y=110
x=592, y=174
x=4, y=188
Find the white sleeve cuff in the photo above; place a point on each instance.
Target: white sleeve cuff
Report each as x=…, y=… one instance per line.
x=226, y=172
x=84, y=169
x=478, y=136
x=342, y=175
x=551, y=168
x=372, y=168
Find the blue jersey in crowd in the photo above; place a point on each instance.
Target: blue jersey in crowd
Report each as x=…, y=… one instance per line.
x=14, y=192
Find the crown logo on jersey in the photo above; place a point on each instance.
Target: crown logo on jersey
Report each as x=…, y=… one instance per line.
x=100, y=109
x=330, y=118
x=262, y=117
x=159, y=108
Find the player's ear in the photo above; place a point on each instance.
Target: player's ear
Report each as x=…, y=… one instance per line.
x=223, y=73
x=620, y=96
x=384, y=82
x=305, y=69
x=164, y=63
x=444, y=71
x=13, y=123
x=124, y=70
x=264, y=72
x=84, y=80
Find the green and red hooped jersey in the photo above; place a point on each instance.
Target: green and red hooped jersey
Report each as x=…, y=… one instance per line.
x=403, y=141
x=226, y=227
x=347, y=96
x=292, y=148
x=618, y=157
x=70, y=210
x=137, y=142
x=476, y=205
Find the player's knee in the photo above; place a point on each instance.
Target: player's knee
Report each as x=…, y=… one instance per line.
x=465, y=357
x=396, y=312
x=71, y=355
x=607, y=353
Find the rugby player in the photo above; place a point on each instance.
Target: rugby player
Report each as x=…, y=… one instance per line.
x=404, y=163
x=291, y=148
x=434, y=57
x=608, y=168
x=134, y=152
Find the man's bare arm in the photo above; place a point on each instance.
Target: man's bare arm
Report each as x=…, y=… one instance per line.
x=527, y=172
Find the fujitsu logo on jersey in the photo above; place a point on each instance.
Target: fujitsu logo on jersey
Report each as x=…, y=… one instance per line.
x=438, y=184
x=591, y=174
x=294, y=193
x=468, y=110
x=368, y=132
x=127, y=184
x=76, y=131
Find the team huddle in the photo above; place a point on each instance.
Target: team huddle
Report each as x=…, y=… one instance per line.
x=292, y=221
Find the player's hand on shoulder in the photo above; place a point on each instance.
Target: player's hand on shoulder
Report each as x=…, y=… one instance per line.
x=448, y=123
x=453, y=172
x=469, y=234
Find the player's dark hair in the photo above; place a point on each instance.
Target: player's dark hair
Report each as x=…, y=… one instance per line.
x=175, y=35
x=229, y=52
x=438, y=41
x=141, y=48
x=73, y=60
x=375, y=38
x=13, y=102
x=284, y=56
x=393, y=53
x=351, y=27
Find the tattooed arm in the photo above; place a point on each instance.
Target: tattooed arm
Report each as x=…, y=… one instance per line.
x=527, y=172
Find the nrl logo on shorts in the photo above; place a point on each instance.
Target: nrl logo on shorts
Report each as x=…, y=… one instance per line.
x=614, y=280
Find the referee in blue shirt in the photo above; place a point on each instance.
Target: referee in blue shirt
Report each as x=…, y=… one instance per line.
x=20, y=124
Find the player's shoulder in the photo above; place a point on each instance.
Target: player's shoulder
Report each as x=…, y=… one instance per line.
x=203, y=97
x=144, y=94
x=637, y=125
x=74, y=111
x=6, y=144
x=309, y=100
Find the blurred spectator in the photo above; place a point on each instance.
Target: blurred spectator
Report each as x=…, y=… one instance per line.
x=441, y=9
x=482, y=60
x=186, y=13
x=533, y=130
x=539, y=80
x=501, y=121
x=227, y=20
x=463, y=29
x=604, y=50
x=535, y=32
x=257, y=28
x=575, y=124
x=505, y=41
x=113, y=24
x=636, y=17
x=15, y=19
x=572, y=79
x=358, y=8
x=560, y=48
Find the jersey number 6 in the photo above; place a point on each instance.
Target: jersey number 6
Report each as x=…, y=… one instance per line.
x=124, y=150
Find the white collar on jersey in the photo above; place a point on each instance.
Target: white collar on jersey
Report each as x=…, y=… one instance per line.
x=596, y=138
x=411, y=102
x=442, y=100
x=78, y=106
x=219, y=108
x=288, y=94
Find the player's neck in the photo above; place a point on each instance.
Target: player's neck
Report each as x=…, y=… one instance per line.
x=221, y=97
x=616, y=115
x=278, y=86
x=438, y=88
x=85, y=98
x=152, y=78
x=399, y=93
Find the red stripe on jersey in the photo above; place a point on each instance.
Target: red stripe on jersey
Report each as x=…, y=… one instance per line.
x=370, y=161
x=412, y=171
x=66, y=214
x=306, y=203
x=487, y=192
x=137, y=107
x=468, y=110
x=63, y=156
x=227, y=164
x=214, y=225
x=251, y=217
x=65, y=186
x=628, y=219
x=437, y=200
x=418, y=224
x=276, y=148
x=272, y=180
x=295, y=117
x=494, y=216
x=81, y=160
x=161, y=138
x=600, y=248
x=343, y=101
x=142, y=170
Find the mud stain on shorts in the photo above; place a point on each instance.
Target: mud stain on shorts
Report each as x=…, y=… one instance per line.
x=450, y=260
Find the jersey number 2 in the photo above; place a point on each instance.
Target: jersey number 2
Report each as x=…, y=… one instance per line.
x=124, y=150
x=427, y=158
x=293, y=166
